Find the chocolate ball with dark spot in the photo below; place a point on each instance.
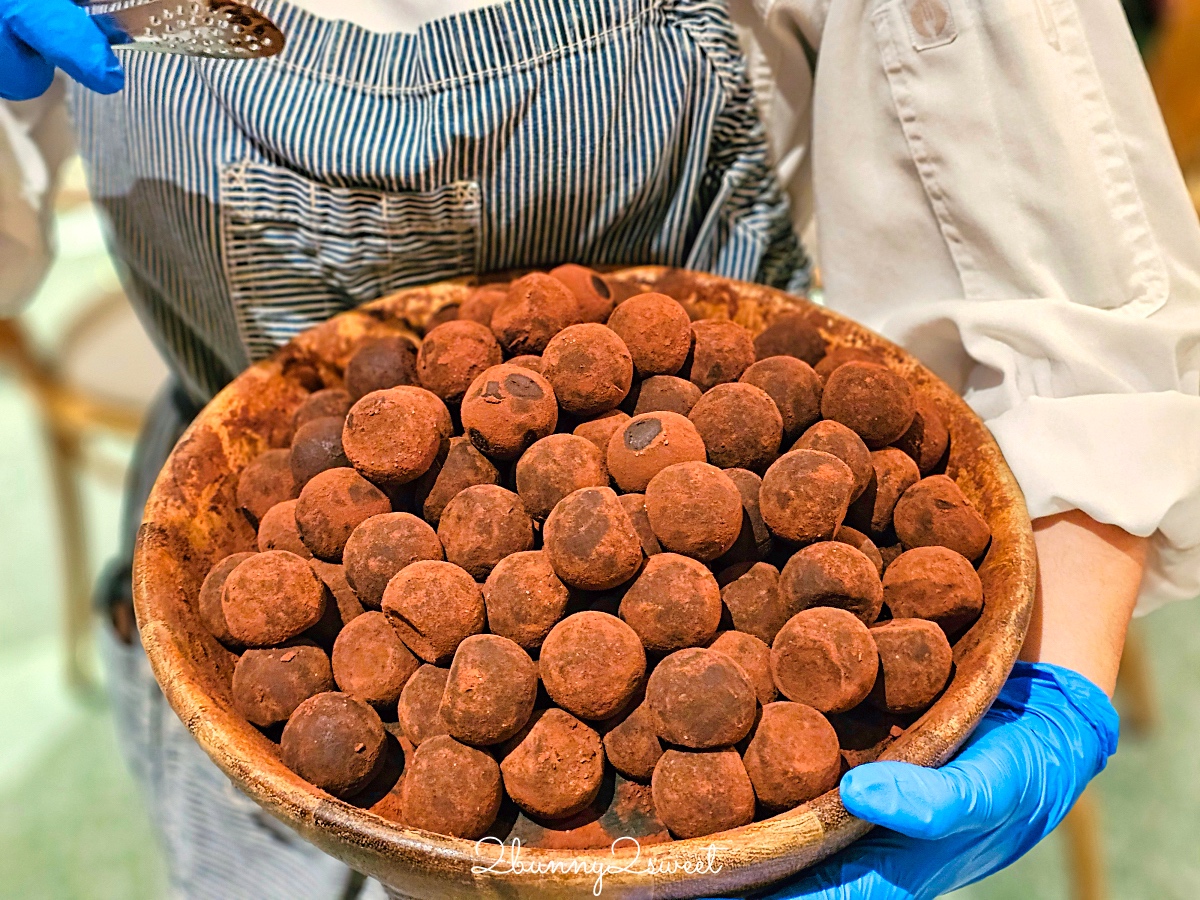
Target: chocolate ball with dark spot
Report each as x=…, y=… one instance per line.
x=754, y=540
x=266, y=481
x=557, y=465
x=831, y=573
x=754, y=603
x=490, y=691
x=927, y=438
x=463, y=467
x=208, y=603
x=370, y=661
x=379, y=364
x=434, y=607
x=791, y=335
x=635, y=505
x=839, y=356
x=721, y=352
x=268, y=685
x=331, y=506
x=278, y=531
x=698, y=794
x=633, y=746
x=793, y=757
x=674, y=603
x=657, y=331
x=701, y=699
x=754, y=656
x=592, y=664
x=871, y=400
x=453, y=355
x=591, y=541
x=647, y=444
x=557, y=768
x=795, y=389
x=325, y=403
x=601, y=429
x=536, y=308
x=393, y=436
x=507, y=409
x=666, y=393
x=317, y=446
x=419, y=711
x=383, y=545
x=934, y=583
x=740, y=426
x=805, y=495
x=482, y=525
x=695, y=509
x=481, y=303
x=861, y=543
x=837, y=439
x=914, y=665
x=589, y=368
x=270, y=598
x=934, y=512
x=524, y=598
x=592, y=291
x=450, y=788
x=334, y=742
x=824, y=657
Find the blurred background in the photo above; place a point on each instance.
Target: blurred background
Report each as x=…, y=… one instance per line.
x=76, y=373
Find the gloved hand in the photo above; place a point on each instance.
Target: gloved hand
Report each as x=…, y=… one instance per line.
x=37, y=36
x=1048, y=734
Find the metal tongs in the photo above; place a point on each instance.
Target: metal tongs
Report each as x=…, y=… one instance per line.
x=212, y=28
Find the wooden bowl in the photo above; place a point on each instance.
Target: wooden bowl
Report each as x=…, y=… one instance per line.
x=191, y=521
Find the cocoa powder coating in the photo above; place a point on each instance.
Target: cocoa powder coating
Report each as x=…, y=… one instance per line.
x=270, y=598
x=697, y=794
x=268, y=685
x=701, y=699
x=635, y=505
x=632, y=746
x=754, y=656
x=794, y=388
x=894, y=473
x=453, y=355
x=450, y=788
x=590, y=540
x=591, y=664
x=838, y=440
x=600, y=429
x=317, y=446
x=825, y=658
x=927, y=438
x=647, y=444
x=657, y=331
x=914, y=665
x=805, y=495
x=589, y=368
x=872, y=400
x=463, y=467
x=721, y=352
x=536, y=308
x=666, y=393
x=740, y=426
x=278, y=531
x=935, y=513
x=379, y=364
x=331, y=506
x=481, y=303
x=208, y=603
x=934, y=583
x=320, y=404
x=695, y=509
x=862, y=544
x=334, y=742
x=831, y=573
x=482, y=525
x=592, y=291
x=557, y=465
x=790, y=335
x=434, y=607
x=393, y=436
x=754, y=540
x=490, y=691
x=557, y=768
x=793, y=757
x=754, y=602
x=674, y=603
x=419, y=711
x=507, y=409
x=524, y=598
x=266, y=481
x=370, y=661
x=383, y=545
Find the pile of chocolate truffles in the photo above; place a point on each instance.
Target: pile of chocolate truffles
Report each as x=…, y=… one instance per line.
x=567, y=543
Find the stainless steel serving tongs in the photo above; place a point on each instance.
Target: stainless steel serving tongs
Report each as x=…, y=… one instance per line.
x=211, y=28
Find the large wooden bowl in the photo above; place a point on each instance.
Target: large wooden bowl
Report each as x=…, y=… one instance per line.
x=191, y=522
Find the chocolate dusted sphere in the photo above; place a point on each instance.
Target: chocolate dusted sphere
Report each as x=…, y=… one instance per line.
x=507, y=409
x=740, y=426
x=592, y=664
x=334, y=742
x=698, y=794
x=839, y=356
x=536, y=308
x=701, y=699
x=379, y=364
x=824, y=657
x=268, y=685
x=450, y=788
x=383, y=545
x=266, y=481
x=434, y=607
x=666, y=393
x=754, y=603
x=632, y=746
x=317, y=446
x=915, y=660
x=831, y=573
x=934, y=512
x=805, y=495
x=490, y=691
x=482, y=525
x=370, y=661
x=695, y=509
x=557, y=465
x=657, y=331
x=600, y=429
x=754, y=656
x=463, y=467
x=861, y=543
x=453, y=355
x=791, y=335
x=481, y=303
x=208, y=603
x=721, y=352
x=591, y=541
x=527, y=361
x=934, y=583
x=647, y=444
x=837, y=439
x=327, y=402
x=331, y=506
x=393, y=436
x=895, y=473
x=278, y=531
x=635, y=505
x=524, y=598
x=927, y=438
x=754, y=540
x=446, y=313
x=589, y=368
x=270, y=598
x=674, y=603
x=419, y=711
x=793, y=757
x=557, y=768
x=795, y=389
x=592, y=291
x=870, y=399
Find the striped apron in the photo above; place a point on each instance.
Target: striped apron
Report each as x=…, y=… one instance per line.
x=246, y=202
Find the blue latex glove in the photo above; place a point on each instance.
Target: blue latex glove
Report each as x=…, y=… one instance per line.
x=1048, y=734
x=38, y=36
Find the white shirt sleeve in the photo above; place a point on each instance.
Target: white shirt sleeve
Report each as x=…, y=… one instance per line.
x=994, y=189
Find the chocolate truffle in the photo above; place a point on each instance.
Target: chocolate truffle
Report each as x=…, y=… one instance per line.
x=331, y=506
x=536, y=308
x=327, y=402
x=434, y=606
x=697, y=794
x=894, y=473
x=270, y=598
x=826, y=658
x=334, y=742
x=740, y=426
x=278, y=531
x=490, y=691
x=419, y=711
x=927, y=438
x=482, y=525
x=791, y=335
x=805, y=495
x=754, y=603
x=450, y=788
x=674, y=603
x=861, y=543
x=527, y=361
x=557, y=768
x=837, y=439
x=754, y=656
x=379, y=364
x=721, y=352
x=838, y=356
x=600, y=429
x=208, y=604
x=589, y=368
x=633, y=746
x=266, y=481
x=701, y=699
x=872, y=400
x=557, y=465
x=524, y=598
x=383, y=545
x=591, y=541
x=635, y=505
x=832, y=574
x=317, y=446
x=914, y=665
x=268, y=685
x=754, y=540
x=463, y=467
x=793, y=757
x=481, y=303
x=393, y=436
x=440, y=316
x=695, y=509
x=647, y=444
x=657, y=331
x=453, y=355
x=795, y=389
x=506, y=409
x=591, y=664
x=666, y=393
x=935, y=513
x=932, y=583
x=370, y=661
x=592, y=291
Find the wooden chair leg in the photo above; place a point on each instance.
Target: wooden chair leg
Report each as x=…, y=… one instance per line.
x=1085, y=849
x=1135, y=685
